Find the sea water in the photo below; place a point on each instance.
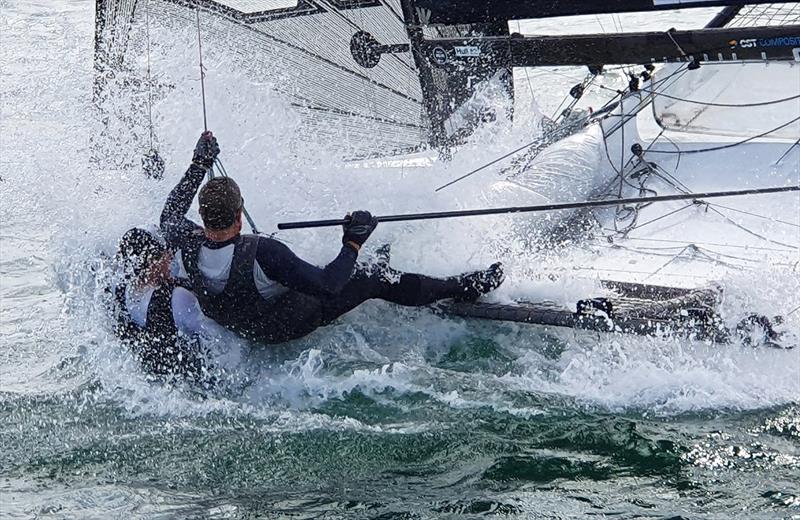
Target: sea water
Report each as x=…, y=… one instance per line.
x=390, y=412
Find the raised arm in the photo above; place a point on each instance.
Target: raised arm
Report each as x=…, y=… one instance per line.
x=174, y=223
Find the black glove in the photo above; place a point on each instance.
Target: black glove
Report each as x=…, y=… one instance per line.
x=206, y=151
x=358, y=228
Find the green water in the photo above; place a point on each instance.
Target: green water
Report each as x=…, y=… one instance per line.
x=401, y=456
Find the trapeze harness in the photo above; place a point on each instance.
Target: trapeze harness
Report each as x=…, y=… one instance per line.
x=240, y=306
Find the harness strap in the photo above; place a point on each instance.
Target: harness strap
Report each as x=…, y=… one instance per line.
x=190, y=254
x=240, y=278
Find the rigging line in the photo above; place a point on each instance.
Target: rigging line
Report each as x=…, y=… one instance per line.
x=612, y=270
x=149, y=76
x=746, y=230
x=756, y=215
x=659, y=170
x=585, y=83
x=493, y=162
x=704, y=254
x=600, y=23
x=644, y=103
x=537, y=141
x=622, y=150
x=710, y=253
x=527, y=77
x=483, y=167
x=725, y=105
x=202, y=77
x=787, y=152
x=247, y=216
x=558, y=112
x=729, y=145
x=715, y=244
x=558, y=108
x=614, y=20
x=678, y=161
x=614, y=90
x=619, y=173
x=663, y=216
x=202, y=82
x=641, y=187
x=671, y=179
x=640, y=107
x=679, y=257
x=121, y=40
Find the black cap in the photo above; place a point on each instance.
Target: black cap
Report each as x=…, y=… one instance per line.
x=138, y=249
x=220, y=202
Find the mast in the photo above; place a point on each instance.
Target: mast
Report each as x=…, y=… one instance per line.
x=445, y=91
x=437, y=137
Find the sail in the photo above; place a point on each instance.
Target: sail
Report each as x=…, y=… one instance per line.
x=307, y=46
x=743, y=99
x=350, y=69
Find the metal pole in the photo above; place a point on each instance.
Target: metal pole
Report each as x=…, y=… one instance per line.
x=545, y=207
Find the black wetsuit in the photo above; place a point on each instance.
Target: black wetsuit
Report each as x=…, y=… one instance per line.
x=160, y=348
x=310, y=297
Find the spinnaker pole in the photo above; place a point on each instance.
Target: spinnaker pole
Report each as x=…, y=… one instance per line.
x=558, y=206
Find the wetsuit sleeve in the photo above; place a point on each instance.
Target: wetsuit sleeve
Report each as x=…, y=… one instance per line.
x=279, y=263
x=174, y=224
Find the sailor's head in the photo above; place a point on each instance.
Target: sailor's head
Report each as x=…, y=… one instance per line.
x=221, y=205
x=142, y=254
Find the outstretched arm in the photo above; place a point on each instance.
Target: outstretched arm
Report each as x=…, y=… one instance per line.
x=279, y=263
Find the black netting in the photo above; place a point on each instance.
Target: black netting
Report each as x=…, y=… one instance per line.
x=767, y=14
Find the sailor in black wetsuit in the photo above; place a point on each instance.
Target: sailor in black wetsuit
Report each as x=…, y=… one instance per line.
x=159, y=319
x=257, y=287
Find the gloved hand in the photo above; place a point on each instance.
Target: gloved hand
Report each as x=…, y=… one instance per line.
x=357, y=230
x=206, y=151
